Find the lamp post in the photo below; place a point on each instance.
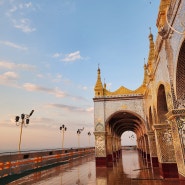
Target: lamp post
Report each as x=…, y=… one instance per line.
x=89, y=134
x=24, y=121
x=78, y=133
x=63, y=128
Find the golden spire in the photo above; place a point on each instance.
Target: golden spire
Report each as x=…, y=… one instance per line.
x=145, y=80
x=152, y=48
x=151, y=55
x=98, y=87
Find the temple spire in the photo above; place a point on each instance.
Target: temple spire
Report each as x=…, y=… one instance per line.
x=148, y=67
x=98, y=87
x=152, y=46
x=151, y=55
x=145, y=80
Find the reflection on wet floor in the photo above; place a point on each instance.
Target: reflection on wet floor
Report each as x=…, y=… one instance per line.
x=80, y=171
x=130, y=170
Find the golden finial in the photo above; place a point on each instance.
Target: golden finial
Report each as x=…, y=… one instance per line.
x=98, y=87
x=104, y=84
x=150, y=35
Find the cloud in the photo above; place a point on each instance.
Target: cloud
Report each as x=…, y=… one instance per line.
x=11, y=65
x=32, y=87
x=17, y=16
x=43, y=122
x=90, y=109
x=58, y=78
x=56, y=55
x=24, y=25
x=70, y=108
x=85, y=88
x=40, y=75
x=56, y=92
x=71, y=57
x=12, y=10
x=25, y=5
x=13, y=45
x=9, y=78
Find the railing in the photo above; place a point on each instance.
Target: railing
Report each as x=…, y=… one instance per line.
x=16, y=163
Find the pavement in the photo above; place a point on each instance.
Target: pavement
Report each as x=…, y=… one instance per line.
x=130, y=169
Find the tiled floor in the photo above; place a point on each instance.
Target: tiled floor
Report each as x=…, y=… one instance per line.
x=130, y=170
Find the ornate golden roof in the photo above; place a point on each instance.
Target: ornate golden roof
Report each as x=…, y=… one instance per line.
x=124, y=91
x=101, y=90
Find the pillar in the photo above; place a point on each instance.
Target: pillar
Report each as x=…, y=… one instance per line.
x=176, y=120
x=110, y=158
x=153, y=149
x=100, y=149
x=117, y=147
x=147, y=150
x=143, y=148
x=114, y=148
x=139, y=144
x=165, y=151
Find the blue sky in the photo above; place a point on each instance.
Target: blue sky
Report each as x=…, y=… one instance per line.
x=50, y=51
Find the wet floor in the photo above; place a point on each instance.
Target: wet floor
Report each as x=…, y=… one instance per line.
x=131, y=169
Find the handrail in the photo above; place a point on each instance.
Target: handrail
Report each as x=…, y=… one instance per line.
x=15, y=163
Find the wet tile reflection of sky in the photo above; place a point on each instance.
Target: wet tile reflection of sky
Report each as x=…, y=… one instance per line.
x=131, y=169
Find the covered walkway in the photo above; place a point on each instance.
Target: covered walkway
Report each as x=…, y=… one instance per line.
x=131, y=169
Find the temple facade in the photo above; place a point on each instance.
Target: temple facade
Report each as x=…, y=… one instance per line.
x=155, y=111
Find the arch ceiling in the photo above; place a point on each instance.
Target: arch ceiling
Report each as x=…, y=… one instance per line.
x=122, y=121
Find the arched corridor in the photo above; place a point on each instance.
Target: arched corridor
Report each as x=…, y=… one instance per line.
x=118, y=123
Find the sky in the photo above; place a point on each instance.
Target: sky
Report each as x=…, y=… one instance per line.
x=49, y=55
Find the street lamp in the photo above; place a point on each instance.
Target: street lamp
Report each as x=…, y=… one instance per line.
x=78, y=133
x=24, y=121
x=63, y=128
x=89, y=134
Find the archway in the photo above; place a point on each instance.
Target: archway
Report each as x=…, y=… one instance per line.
x=162, y=109
x=180, y=78
x=180, y=92
x=120, y=122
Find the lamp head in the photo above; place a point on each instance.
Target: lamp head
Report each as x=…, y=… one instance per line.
x=17, y=119
x=78, y=131
x=27, y=121
x=22, y=116
x=31, y=113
